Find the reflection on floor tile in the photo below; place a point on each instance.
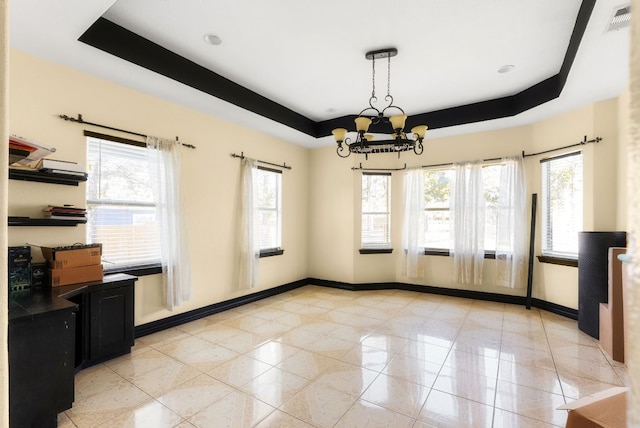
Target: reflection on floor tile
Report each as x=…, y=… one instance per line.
x=318, y=357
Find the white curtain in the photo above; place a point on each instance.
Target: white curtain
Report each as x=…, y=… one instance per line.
x=249, y=249
x=511, y=244
x=467, y=223
x=164, y=166
x=413, y=225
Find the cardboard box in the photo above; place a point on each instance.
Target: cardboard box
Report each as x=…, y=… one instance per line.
x=73, y=256
x=75, y=275
x=605, y=409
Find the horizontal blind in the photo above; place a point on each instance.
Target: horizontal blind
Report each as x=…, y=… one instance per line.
x=268, y=202
x=376, y=211
x=121, y=212
x=562, y=190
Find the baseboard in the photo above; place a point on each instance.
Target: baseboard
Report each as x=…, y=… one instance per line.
x=555, y=308
x=173, y=321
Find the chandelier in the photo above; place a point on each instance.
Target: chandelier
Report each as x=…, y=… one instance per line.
x=398, y=141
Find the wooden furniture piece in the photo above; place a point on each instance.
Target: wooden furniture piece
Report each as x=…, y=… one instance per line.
x=104, y=327
x=612, y=313
x=41, y=359
x=53, y=333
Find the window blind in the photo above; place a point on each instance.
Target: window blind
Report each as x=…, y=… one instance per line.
x=120, y=208
x=562, y=188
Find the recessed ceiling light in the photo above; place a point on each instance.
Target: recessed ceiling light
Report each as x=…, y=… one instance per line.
x=506, y=68
x=212, y=39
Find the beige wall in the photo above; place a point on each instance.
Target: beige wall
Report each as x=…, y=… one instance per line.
x=557, y=284
x=41, y=90
x=321, y=202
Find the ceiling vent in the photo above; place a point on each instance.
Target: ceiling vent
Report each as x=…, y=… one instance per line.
x=620, y=18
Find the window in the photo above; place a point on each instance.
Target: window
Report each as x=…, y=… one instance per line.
x=437, y=191
x=376, y=211
x=120, y=209
x=268, y=203
x=561, y=205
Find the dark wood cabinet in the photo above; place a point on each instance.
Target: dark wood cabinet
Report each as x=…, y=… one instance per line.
x=53, y=333
x=105, y=320
x=41, y=364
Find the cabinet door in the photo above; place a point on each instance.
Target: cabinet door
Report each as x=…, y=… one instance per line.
x=41, y=367
x=111, y=322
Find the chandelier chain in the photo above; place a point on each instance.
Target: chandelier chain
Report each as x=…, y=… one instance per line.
x=389, y=75
x=373, y=78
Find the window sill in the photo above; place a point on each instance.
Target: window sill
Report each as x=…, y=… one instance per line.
x=271, y=252
x=446, y=253
x=376, y=250
x=141, y=270
x=558, y=261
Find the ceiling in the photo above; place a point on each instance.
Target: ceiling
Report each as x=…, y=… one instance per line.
x=295, y=70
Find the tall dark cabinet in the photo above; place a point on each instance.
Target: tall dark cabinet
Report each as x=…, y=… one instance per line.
x=593, y=280
x=41, y=361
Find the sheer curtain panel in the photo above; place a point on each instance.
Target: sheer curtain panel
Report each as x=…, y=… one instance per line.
x=164, y=167
x=413, y=226
x=511, y=245
x=248, y=245
x=467, y=221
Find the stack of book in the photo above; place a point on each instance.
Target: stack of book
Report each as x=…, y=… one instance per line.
x=66, y=212
x=23, y=152
x=60, y=167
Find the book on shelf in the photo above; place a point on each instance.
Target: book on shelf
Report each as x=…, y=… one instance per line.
x=80, y=218
x=65, y=209
x=60, y=166
x=64, y=214
x=36, y=151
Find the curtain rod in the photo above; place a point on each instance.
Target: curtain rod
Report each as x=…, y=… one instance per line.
x=79, y=119
x=581, y=143
x=241, y=156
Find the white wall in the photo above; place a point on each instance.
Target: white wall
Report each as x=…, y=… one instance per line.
x=41, y=90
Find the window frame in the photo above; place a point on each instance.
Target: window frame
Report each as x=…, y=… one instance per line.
x=551, y=256
x=382, y=248
x=278, y=250
x=141, y=269
x=438, y=251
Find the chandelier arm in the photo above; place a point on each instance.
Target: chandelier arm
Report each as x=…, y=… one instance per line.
x=418, y=148
x=341, y=148
x=391, y=106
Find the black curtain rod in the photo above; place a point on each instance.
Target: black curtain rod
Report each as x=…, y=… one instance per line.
x=79, y=119
x=241, y=156
x=360, y=168
x=581, y=143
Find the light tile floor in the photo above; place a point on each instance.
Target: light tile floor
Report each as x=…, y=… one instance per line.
x=322, y=357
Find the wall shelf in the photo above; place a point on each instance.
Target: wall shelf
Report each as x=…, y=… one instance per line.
x=46, y=177
x=26, y=221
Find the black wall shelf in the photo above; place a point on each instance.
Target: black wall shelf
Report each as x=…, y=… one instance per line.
x=26, y=221
x=46, y=177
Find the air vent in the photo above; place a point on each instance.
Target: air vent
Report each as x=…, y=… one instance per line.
x=620, y=18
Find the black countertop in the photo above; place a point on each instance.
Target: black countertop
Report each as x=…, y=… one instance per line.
x=29, y=304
